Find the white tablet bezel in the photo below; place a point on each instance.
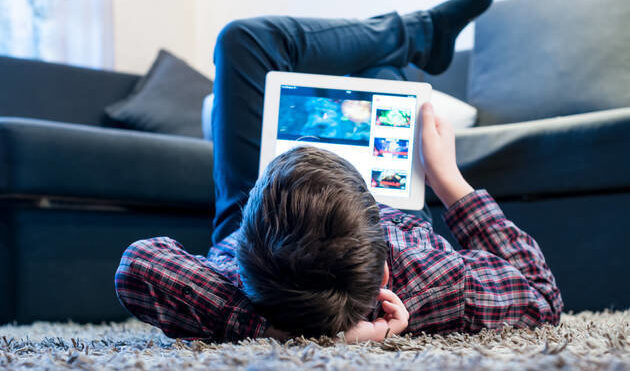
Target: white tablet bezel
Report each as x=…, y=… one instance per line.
x=274, y=80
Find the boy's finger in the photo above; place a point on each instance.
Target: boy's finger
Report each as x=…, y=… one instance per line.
x=442, y=126
x=428, y=119
x=398, y=326
x=397, y=311
x=386, y=294
x=438, y=125
x=399, y=317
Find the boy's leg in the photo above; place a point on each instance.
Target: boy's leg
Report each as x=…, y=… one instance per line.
x=246, y=50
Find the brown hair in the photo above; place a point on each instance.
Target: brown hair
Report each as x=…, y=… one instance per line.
x=311, y=250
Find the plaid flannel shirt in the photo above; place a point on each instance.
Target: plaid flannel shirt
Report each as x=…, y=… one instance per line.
x=499, y=277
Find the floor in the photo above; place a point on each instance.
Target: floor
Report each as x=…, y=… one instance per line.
x=584, y=341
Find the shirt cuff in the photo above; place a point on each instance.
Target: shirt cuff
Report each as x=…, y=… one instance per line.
x=243, y=322
x=471, y=214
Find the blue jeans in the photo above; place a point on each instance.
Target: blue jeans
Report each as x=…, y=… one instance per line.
x=247, y=49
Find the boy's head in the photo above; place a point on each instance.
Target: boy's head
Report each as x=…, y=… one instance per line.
x=311, y=250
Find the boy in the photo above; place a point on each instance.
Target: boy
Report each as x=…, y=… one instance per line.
x=312, y=253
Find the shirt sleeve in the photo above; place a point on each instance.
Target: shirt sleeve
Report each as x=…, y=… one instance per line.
x=507, y=279
x=163, y=285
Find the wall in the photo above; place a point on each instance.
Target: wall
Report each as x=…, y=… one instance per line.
x=142, y=27
x=189, y=28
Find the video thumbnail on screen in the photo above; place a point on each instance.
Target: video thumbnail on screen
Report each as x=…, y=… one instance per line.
x=391, y=148
x=392, y=179
x=321, y=119
x=393, y=117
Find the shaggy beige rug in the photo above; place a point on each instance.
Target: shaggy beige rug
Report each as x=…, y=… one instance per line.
x=585, y=341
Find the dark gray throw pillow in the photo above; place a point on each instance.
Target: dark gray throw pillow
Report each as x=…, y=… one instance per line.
x=166, y=100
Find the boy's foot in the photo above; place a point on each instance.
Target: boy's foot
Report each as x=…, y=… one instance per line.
x=448, y=20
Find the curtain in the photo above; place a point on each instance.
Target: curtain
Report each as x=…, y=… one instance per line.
x=76, y=32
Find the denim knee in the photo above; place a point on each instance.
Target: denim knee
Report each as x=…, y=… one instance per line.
x=233, y=37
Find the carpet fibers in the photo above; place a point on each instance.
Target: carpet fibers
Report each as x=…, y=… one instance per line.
x=583, y=341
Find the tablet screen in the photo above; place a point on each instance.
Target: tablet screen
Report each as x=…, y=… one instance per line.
x=373, y=131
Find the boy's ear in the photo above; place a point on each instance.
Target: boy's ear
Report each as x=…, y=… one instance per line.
x=385, y=276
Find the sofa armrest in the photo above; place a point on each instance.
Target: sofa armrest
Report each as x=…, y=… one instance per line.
x=39, y=157
x=584, y=153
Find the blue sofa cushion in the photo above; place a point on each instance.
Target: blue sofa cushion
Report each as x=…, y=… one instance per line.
x=539, y=59
x=576, y=154
x=39, y=157
x=166, y=100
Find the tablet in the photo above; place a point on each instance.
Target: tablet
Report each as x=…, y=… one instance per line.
x=369, y=122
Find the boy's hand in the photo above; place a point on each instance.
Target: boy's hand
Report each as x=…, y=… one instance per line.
x=438, y=157
x=393, y=323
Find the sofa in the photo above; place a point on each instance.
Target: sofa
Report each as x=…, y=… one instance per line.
x=76, y=188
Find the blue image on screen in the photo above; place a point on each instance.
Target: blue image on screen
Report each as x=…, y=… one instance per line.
x=391, y=148
x=325, y=115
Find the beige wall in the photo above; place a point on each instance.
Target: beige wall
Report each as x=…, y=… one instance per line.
x=142, y=27
x=189, y=28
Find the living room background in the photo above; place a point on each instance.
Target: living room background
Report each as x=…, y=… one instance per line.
x=93, y=159
x=196, y=24
x=126, y=35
